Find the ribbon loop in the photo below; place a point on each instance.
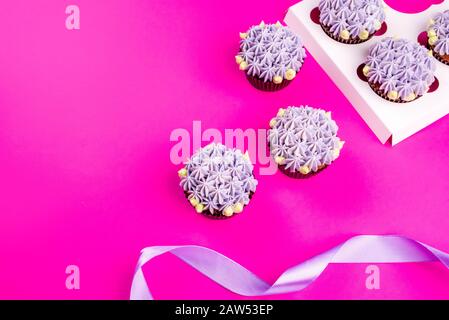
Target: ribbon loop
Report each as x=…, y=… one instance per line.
x=236, y=278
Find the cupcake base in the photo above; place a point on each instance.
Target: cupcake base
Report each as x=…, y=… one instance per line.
x=296, y=175
x=299, y=175
x=218, y=215
x=267, y=86
x=444, y=59
x=326, y=29
x=376, y=89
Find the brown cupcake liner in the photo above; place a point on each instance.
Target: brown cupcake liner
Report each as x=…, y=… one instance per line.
x=444, y=59
x=326, y=29
x=218, y=215
x=269, y=86
x=376, y=89
x=299, y=175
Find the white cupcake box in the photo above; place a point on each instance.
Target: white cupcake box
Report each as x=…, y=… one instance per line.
x=341, y=61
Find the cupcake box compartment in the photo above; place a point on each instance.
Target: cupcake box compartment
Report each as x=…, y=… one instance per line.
x=388, y=120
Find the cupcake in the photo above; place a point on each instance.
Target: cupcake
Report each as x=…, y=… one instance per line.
x=399, y=70
x=438, y=36
x=351, y=21
x=303, y=141
x=218, y=181
x=271, y=55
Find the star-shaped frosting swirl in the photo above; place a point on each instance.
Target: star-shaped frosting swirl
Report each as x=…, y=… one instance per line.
x=304, y=139
x=218, y=179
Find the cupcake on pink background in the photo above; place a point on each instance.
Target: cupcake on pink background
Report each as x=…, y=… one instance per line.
x=218, y=181
x=399, y=70
x=303, y=141
x=271, y=56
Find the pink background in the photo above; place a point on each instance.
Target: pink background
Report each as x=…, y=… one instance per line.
x=86, y=179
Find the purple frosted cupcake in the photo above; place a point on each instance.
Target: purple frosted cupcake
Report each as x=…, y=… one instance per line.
x=218, y=181
x=271, y=55
x=351, y=21
x=303, y=141
x=399, y=70
x=438, y=36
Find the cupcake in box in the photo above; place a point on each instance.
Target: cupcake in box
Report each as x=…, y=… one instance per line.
x=271, y=55
x=351, y=21
x=303, y=141
x=218, y=181
x=438, y=36
x=399, y=70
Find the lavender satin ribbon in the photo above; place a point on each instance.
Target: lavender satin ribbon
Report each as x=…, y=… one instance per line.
x=236, y=278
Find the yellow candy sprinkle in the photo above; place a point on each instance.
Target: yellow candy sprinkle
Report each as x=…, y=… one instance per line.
x=199, y=208
x=194, y=201
x=433, y=40
x=304, y=170
x=344, y=34
x=290, y=74
x=243, y=65
x=277, y=79
x=366, y=69
x=238, y=59
x=279, y=160
x=182, y=173
x=410, y=97
x=431, y=33
x=364, y=34
x=238, y=207
x=393, y=95
x=336, y=153
x=228, y=212
x=281, y=112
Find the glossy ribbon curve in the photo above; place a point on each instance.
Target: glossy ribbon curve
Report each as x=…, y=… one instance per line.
x=234, y=277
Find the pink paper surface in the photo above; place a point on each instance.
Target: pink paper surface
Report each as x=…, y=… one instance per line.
x=86, y=177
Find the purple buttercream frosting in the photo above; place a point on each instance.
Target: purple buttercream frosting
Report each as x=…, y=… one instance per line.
x=270, y=50
x=400, y=66
x=219, y=177
x=304, y=136
x=441, y=29
x=354, y=16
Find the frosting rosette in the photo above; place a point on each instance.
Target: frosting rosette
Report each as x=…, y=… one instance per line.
x=218, y=181
x=303, y=140
x=351, y=21
x=399, y=70
x=271, y=53
x=438, y=36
